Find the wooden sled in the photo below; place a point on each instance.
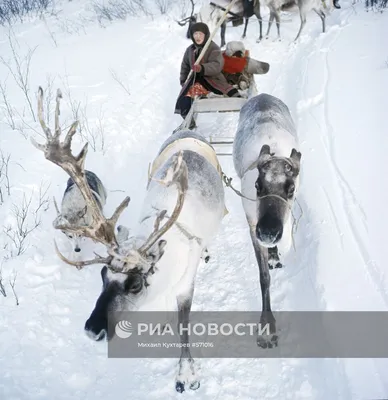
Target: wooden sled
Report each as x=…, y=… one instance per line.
x=213, y=103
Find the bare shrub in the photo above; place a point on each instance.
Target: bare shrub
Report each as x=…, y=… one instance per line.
x=164, y=5
x=19, y=67
x=27, y=219
x=93, y=133
x=377, y=5
x=2, y=288
x=12, y=283
x=119, y=9
x=121, y=83
x=12, y=10
x=186, y=8
x=73, y=104
x=6, y=105
x=5, y=186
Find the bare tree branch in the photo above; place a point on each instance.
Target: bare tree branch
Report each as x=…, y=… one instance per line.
x=21, y=70
x=2, y=288
x=119, y=81
x=10, y=113
x=13, y=283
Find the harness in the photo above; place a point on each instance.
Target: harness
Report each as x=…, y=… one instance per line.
x=193, y=144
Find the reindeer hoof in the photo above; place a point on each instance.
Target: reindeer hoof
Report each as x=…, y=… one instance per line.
x=267, y=341
x=180, y=387
x=274, y=264
x=194, y=385
x=273, y=258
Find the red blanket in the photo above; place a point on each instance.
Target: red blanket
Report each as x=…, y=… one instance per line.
x=234, y=65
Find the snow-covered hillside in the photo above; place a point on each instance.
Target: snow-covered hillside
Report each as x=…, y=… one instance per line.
x=334, y=83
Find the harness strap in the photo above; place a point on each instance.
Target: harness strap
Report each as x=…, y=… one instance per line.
x=195, y=145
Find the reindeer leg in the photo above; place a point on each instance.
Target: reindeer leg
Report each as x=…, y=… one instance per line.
x=267, y=317
x=258, y=16
x=223, y=30
x=277, y=18
x=271, y=18
x=245, y=28
x=322, y=16
x=302, y=24
x=187, y=369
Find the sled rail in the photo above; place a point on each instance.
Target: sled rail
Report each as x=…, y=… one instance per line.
x=221, y=104
x=222, y=145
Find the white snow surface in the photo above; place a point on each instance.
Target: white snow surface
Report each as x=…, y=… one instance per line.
x=335, y=85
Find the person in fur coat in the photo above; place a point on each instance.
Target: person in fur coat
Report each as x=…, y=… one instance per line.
x=207, y=76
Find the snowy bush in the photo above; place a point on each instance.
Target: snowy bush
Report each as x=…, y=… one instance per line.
x=164, y=5
x=11, y=10
x=25, y=217
x=4, y=176
x=110, y=10
x=119, y=9
x=377, y=4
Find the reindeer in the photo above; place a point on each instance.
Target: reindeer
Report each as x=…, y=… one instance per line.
x=185, y=187
x=304, y=6
x=74, y=210
x=267, y=162
x=211, y=14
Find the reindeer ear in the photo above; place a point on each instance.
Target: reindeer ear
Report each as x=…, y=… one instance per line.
x=264, y=155
x=82, y=212
x=59, y=220
x=295, y=157
x=155, y=255
x=122, y=234
x=104, y=275
x=162, y=244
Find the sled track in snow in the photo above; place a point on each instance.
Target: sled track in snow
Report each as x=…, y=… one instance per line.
x=350, y=206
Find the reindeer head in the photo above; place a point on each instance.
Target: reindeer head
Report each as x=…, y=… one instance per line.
x=127, y=279
x=123, y=289
x=74, y=217
x=275, y=188
x=126, y=273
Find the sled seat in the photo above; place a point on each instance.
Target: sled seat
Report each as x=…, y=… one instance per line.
x=218, y=104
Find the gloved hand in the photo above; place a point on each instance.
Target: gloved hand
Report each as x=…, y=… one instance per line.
x=197, y=68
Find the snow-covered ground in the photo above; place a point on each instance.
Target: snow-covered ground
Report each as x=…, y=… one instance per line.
x=335, y=85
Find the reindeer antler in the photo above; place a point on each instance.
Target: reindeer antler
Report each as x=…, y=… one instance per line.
x=101, y=229
x=176, y=174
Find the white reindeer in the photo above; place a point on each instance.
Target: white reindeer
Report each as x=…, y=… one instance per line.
x=304, y=6
x=161, y=262
x=266, y=160
x=211, y=14
x=74, y=210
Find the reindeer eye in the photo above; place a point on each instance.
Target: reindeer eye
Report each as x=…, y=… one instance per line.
x=133, y=284
x=287, y=167
x=258, y=186
x=291, y=190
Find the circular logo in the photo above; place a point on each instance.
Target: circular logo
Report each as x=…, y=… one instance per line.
x=123, y=329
